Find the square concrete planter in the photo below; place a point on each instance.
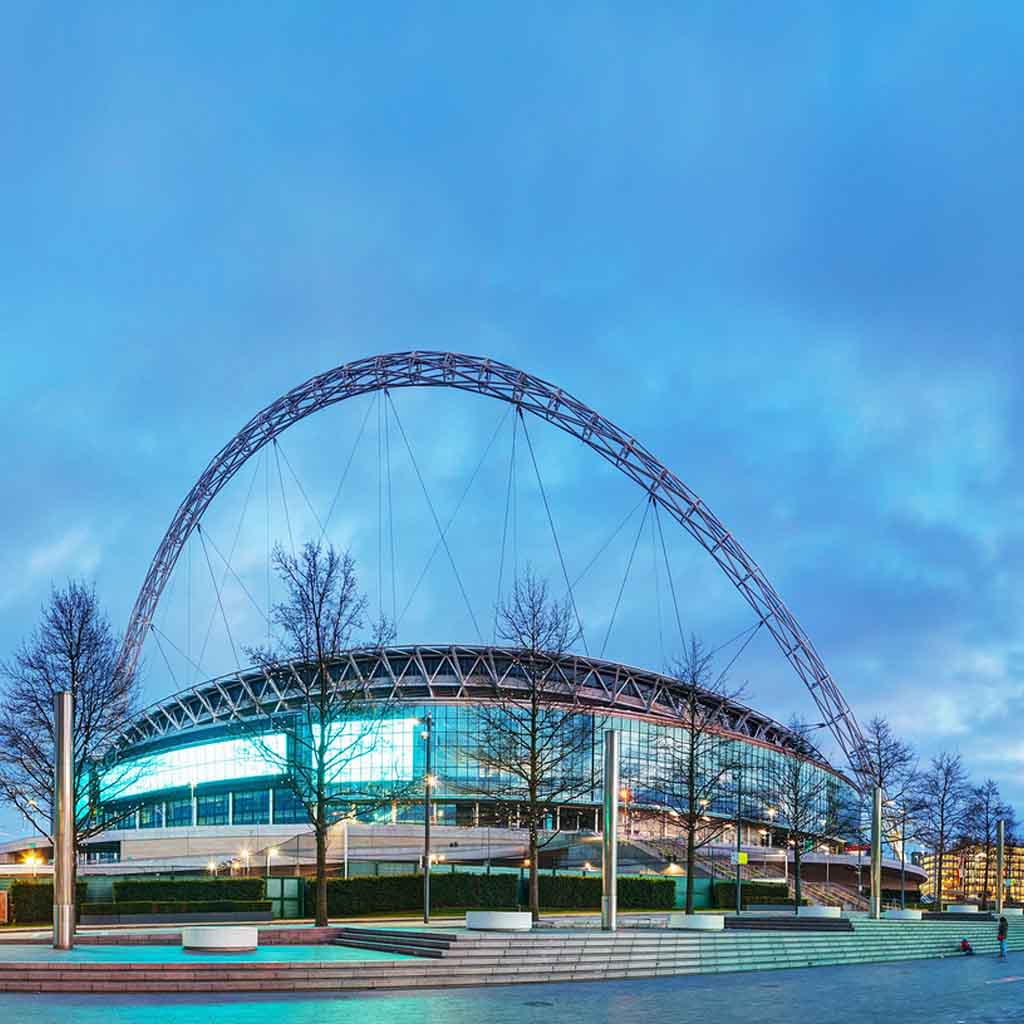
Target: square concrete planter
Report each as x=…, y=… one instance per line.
x=902, y=915
x=961, y=908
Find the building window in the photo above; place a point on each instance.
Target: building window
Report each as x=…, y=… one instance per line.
x=288, y=808
x=151, y=816
x=179, y=813
x=252, y=808
x=212, y=810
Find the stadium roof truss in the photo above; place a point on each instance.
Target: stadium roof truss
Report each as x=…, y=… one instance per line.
x=455, y=674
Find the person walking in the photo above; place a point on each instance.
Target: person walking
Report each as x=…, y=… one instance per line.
x=1004, y=927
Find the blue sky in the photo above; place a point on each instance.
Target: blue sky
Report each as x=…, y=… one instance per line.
x=780, y=246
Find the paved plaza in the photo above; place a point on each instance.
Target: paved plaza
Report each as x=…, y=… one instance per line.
x=978, y=990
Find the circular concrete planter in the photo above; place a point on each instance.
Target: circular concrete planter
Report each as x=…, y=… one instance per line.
x=961, y=908
x=223, y=939
x=819, y=911
x=902, y=915
x=498, y=921
x=697, y=922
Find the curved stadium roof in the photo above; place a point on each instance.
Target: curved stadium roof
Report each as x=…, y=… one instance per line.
x=450, y=674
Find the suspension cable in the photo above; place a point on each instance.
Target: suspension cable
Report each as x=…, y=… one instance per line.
x=554, y=532
x=668, y=571
x=216, y=589
x=735, y=657
x=625, y=579
x=195, y=665
x=298, y=483
x=381, y=409
x=266, y=495
x=657, y=592
x=391, y=521
x=234, y=546
x=732, y=640
x=433, y=514
x=454, y=515
x=604, y=547
x=348, y=465
x=284, y=499
x=156, y=636
x=504, y=528
x=236, y=577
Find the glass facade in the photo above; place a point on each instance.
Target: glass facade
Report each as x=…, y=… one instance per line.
x=213, y=809
x=220, y=761
x=372, y=759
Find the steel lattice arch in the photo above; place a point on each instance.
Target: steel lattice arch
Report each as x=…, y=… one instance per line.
x=529, y=394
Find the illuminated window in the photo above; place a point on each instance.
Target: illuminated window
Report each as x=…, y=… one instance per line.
x=252, y=808
x=207, y=762
x=370, y=751
x=212, y=810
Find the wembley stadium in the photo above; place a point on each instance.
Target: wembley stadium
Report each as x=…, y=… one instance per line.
x=193, y=792
x=203, y=780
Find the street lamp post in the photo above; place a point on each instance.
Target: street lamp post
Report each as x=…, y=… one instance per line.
x=427, y=734
x=610, y=833
x=64, y=824
x=1000, y=860
x=739, y=834
x=271, y=852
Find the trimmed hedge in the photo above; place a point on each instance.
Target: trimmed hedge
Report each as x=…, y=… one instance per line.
x=753, y=892
x=189, y=889
x=372, y=894
x=32, y=902
x=386, y=893
x=176, y=907
x=571, y=892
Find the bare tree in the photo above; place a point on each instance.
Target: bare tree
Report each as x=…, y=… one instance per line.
x=702, y=766
x=803, y=796
x=985, y=808
x=535, y=743
x=72, y=649
x=941, y=793
x=888, y=762
x=891, y=764
x=329, y=723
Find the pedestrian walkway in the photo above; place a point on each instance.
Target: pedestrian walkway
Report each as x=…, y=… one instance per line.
x=475, y=958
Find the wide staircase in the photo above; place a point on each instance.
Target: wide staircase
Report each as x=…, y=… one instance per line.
x=391, y=940
x=491, y=958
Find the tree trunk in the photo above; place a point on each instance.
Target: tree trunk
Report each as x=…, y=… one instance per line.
x=691, y=864
x=938, y=881
x=534, y=875
x=796, y=878
x=984, y=887
x=321, y=874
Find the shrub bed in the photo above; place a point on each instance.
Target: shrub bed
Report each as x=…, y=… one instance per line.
x=127, y=907
x=32, y=902
x=571, y=892
x=752, y=892
x=373, y=894
x=189, y=889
